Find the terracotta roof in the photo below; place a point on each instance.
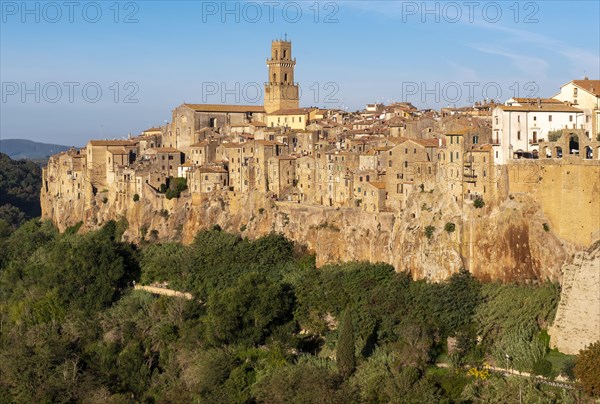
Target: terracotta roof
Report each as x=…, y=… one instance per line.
x=257, y=123
x=591, y=86
x=217, y=170
x=541, y=107
x=428, y=142
x=292, y=111
x=378, y=185
x=153, y=130
x=164, y=150
x=268, y=142
x=117, y=150
x=225, y=108
x=111, y=143
x=536, y=100
x=231, y=145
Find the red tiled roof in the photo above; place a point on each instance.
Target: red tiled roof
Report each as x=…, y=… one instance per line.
x=225, y=108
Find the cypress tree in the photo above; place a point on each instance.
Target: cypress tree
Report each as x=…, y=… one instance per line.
x=345, y=347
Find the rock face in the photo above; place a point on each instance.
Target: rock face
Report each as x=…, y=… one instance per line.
x=577, y=322
x=506, y=241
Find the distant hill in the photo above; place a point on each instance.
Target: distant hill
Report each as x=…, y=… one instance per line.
x=18, y=149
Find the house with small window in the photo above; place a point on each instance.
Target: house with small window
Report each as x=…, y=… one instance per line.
x=519, y=126
x=585, y=95
x=293, y=118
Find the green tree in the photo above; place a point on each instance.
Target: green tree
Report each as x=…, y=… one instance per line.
x=247, y=312
x=346, y=360
x=587, y=369
x=20, y=184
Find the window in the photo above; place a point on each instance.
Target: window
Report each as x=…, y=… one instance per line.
x=574, y=92
x=518, y=135
x=405, y=151
x=518, y=118
x=414, y=151
x=406, y=164
x=535, y=118
x=390, y=163
x=570, y=118
x=549, y=118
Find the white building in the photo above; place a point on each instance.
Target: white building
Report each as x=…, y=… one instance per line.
x=585, y=95
x=519, y=126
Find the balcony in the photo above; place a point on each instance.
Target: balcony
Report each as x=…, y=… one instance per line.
x=470, y=176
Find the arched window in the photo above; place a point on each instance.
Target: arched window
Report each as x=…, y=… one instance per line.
x=573, y=144
x=276, y=55
x=284, y=53
x=274, y=77
x=558, y=152
x=285, y=78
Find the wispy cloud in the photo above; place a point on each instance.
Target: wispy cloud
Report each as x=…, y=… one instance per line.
x=580, y=59
x=533, y=66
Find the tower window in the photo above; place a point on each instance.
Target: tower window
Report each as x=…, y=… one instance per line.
x=284, y=53
x=285, y=77
x=274, y=77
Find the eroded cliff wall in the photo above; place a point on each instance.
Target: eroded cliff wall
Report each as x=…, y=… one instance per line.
x=504, y=241
x=577, y=322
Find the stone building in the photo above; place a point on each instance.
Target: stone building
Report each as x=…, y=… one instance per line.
x=281, y=92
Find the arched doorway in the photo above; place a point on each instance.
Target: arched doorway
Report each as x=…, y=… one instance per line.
x=573, y=144
x=547, y=152
x=558, y=152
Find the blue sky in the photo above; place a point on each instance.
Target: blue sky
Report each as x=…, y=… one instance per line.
x=349, y=53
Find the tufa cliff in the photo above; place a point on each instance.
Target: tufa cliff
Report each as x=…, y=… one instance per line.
x=432, y=237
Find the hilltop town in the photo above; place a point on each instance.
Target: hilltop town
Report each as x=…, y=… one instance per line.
x=508, y=191
x=373, y=160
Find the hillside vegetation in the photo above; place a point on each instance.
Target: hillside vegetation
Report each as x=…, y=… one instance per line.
x=20, y=183
x=264, y=326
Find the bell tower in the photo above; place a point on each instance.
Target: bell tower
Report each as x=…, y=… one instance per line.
x=281, y=92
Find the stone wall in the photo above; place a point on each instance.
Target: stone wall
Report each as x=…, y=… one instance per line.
x=569, y=195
